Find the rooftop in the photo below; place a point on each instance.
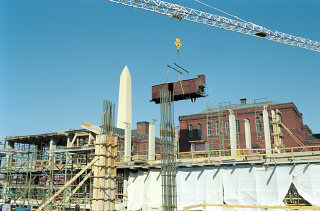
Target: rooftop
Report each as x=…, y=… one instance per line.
x=224, y=107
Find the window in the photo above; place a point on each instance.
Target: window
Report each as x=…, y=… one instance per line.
x=227, y=127
x=280, y=119
x=199, y=130
x=217, y=128
x=258, y=124
x=238, y=126
x=190, y=131
x=270, y=125
x=209, y=128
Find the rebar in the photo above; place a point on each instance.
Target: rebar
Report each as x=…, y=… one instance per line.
x=168, y=151
x=108, y=117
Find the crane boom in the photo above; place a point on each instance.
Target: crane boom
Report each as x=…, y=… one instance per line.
x=181, y=12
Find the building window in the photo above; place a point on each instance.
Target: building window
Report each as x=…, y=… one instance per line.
x=217, y=128
x=280, y=119
x=190, y=131
x=258, y=124
x=238, y=126
x=227, y=127
x=209, y=128
x=199, y=130
x=270, y=125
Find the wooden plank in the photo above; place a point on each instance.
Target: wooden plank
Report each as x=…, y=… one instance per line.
x=93, y=128
x=67, y=184
x=95, y=205
x=102, y=173
x=73, y=140
x=79, y=185
x=114, y=171
x=253, y=206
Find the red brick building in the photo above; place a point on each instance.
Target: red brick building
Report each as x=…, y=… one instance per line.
x=209, y=130
x=139, y=139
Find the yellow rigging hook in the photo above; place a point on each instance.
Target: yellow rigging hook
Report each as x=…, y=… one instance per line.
x=178, y=44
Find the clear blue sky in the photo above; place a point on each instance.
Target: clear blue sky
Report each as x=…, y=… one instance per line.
x=59, y=59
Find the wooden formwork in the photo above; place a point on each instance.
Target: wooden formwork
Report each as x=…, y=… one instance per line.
x=104, y=173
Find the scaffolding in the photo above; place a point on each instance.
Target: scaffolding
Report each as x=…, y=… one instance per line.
x=218, y=128
x=32, y=174
x=259, y=133
x=57, y=171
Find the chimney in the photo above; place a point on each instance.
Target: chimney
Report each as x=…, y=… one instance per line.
x=142, y=128
x=243, y=101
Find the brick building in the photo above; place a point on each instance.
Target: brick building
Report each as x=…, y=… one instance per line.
x=209, y=130
x=140, y=139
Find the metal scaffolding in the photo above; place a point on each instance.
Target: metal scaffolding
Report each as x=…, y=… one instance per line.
x=218, y=128
x=258, y=122
x=33, y=174
x=168, y=151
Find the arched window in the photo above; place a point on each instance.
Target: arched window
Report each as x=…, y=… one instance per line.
x=270, y=125
x=238, y=126
x=199, y=130
x=258, y=124
x=209, y=129
x=190, y=131
x=217, y=128
x=280, y=119
x=227, y=127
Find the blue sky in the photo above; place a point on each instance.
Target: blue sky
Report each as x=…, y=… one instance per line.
x=59, y=59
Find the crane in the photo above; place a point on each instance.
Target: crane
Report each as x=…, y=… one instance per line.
x=185, y=13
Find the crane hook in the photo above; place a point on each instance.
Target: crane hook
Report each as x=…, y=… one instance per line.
x=178, y=44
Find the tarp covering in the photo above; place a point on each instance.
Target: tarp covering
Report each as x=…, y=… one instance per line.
x=306, y=178
x=144, y=190
x=198, y=184
x=256, y=185
x=244, y=185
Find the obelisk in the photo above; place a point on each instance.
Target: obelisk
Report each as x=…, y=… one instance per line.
x=124, y=110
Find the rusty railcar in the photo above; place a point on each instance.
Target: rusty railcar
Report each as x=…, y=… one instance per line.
x=182, y=90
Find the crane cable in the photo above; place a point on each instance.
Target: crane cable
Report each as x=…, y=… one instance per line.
x=227, y=13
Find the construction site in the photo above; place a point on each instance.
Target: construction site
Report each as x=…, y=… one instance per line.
x=214, y=160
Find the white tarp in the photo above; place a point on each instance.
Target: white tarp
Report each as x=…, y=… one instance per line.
x=306, y=178
x=256, y=185
x=144, y=190
x=197, y=184
x=244, y=185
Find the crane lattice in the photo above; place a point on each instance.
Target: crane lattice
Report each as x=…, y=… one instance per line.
x=181, y=12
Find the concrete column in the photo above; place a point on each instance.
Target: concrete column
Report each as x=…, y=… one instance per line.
x=52, y=146
x=127, y=143
x=10, y=161
x=233, y=133
x=152, y=141
x=266, y=130
x=69, y=140
x=247, y=133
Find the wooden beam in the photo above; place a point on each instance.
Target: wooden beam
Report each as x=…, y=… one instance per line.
x=79, y=185
x=74, y=138
x=93, y=128
x=293, y=136
x=254, y=206
x=67, y=184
